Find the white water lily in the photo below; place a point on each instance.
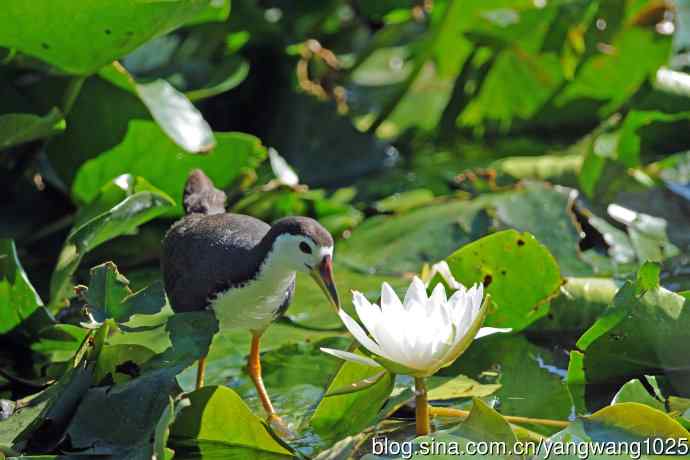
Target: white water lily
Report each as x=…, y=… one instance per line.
x=420, y=335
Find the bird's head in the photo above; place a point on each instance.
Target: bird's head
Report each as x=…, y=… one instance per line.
x=304, y=245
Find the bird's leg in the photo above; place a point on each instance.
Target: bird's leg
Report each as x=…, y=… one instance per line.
x=201, y=372
x=254, y=366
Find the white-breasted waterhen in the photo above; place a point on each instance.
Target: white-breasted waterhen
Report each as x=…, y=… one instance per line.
x=241, y=267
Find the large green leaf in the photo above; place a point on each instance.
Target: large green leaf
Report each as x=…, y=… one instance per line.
x=625, y=426
x=171, y=109
x=123, y=218
x=546, y=213
x=519, y=273
x=133, y=409
x=403, y=243
x=577, y=307
x=17, y=128
x=21, y=305
x=90, y=33
x=635, y=336
x=523, y=370
x=207, y=420
x=43, y=419
x=147, y=152
x=485, y=424
x=342, y=415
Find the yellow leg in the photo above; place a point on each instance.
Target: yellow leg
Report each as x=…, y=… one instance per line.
x=201, y=372
x=254, y=366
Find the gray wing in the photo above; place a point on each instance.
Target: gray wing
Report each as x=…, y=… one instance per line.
x=206, y=254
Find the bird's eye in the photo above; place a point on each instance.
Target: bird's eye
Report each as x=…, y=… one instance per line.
x=305, y=248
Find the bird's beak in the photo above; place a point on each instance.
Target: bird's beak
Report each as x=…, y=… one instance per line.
x=323, y=276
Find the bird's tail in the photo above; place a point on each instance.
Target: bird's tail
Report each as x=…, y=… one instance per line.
x=200, y=196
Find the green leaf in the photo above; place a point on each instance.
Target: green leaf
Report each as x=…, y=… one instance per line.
x=460, y=386
x=163, y=427
x=517, y=271
x=227, y=76
x=403, y=243
x=22, y=308
x=55, y=405
x=627, y=423
x=648, y=277
x=123, y=218
x=133, y=409
x=632, y=338
x=546, y=213
x=485, y=424
x=357, y=386
x=577, y=307
x=638, y=420
x=109, y=293
x=339, y=416
x=93, y=34
x=635, y=391
x=107, y=289
x=207, y=420
x=177, y=116
x=147, y=152
x=121, y=363
x=523, y=370
x=17, y=128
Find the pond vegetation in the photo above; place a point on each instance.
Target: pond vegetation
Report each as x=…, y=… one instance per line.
x=537, y=148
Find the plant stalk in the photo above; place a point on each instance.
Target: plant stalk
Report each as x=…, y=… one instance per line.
x=450, y=412
x=421, y=407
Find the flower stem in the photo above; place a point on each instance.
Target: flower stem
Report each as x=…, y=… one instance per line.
x=450, y=412
x=421, y=407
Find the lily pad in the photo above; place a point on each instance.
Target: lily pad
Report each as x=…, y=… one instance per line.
x=444, y=388
x=343, y=415
x=546, y=212
x=625, y=426
x=206, y=420
x=632, y=337
x=398, y=244
x=523, y=370
x=517, y=270
x=105, y=30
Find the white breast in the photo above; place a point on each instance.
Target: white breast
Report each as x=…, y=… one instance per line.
x=253, y=306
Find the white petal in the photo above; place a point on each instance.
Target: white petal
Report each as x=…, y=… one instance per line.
x=347, y=356
x=438, y=296
x=390, y=303
x=368, y=314
x=282, y=170
x=443, y=269
x=483, y=332
x=415, y=293
x=358, y=333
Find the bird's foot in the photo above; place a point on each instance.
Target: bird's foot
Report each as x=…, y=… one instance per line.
x=280, y=427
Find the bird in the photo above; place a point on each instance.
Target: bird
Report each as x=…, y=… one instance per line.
x=241, y=268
